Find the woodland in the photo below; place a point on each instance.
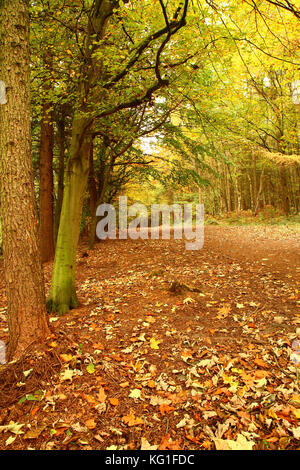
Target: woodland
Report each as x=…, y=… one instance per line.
x=140, y=344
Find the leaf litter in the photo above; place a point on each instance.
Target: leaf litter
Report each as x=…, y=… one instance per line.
x=142, y=366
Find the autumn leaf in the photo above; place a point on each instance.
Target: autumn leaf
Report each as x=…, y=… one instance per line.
x=101, y=395
x=261, y=363
x=154, y=343
x=90, y=423
x=240, y=443
x=145, y=445
x=168, y=444
x=188, y=300
x=164, y=408
x=135, y=393
x=98, y=346
x=67, y=374
x=124, y=384
x=66, y=357
x=13, y=427
x=151, y=384
x=132, y=420
x=91, y=368
x=114, y=401
x=223, y=312
x=34, y=432
x=10, y=440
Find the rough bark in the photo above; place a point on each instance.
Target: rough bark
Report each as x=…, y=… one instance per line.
x=61, y=139
x=46, y=170
x=23, y=272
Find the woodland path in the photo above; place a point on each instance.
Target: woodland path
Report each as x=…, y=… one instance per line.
x=143, y=364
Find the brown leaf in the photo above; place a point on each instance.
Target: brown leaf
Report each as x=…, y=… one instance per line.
x=101, y=395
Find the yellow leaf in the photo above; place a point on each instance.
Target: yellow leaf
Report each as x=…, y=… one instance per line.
x=124, y=384
x=154, y=343
x=223, y=311
x=272, y=413
x=135, y=393
x=240, y=444
x=66, y=357
x=296, y=413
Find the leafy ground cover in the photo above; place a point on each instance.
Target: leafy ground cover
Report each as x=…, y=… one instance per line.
x=170, y=349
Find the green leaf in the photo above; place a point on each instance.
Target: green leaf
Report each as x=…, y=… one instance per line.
x=91, y=368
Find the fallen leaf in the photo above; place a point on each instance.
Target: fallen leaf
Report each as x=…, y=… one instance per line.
x=241, y=443
x=34, y=433
x=13, y=427
x=135, y=393
x=114, y=401
x=154, y=343
x=145, y=445
x=101, y=395
x=91, y=368
x=90, y=423
x=131, y=419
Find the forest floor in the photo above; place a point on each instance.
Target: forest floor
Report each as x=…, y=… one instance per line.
x=170, y=349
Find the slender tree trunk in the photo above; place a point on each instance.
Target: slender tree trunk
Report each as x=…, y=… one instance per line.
x=93, y=199
x=227, y=189
x=261, y=185
x=23, y=272
x=284, y=191
x=105, y=177
x=254, y=198
x=61, y=168
x=46, y=170
x=63, y=293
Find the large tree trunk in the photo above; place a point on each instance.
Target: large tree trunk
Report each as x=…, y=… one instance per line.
x=46, y=170
x=23, y=272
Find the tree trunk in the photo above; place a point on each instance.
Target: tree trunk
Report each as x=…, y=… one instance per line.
x=46, y=170
x=261, y=185
x=254, y=162
x=93, y=199
x=284, y=191
x=102, y=188
x=23, y=272
x=63, y=293
x=61, y=168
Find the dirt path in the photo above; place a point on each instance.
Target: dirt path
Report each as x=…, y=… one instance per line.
x=275, y=248
x=170, y=348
